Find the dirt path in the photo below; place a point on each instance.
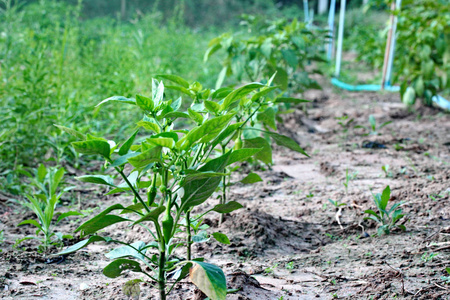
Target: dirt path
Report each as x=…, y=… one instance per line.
x=287, y=242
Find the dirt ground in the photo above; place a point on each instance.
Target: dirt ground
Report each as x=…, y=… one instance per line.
x=287, y=243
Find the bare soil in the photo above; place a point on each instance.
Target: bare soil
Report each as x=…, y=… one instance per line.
x=287, y=243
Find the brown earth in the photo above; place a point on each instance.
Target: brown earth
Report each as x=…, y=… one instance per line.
x=287, y=242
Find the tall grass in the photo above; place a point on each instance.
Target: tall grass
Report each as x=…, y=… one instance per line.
x=56, y=67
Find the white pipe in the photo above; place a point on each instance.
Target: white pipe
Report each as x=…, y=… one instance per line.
x=392, y=49
x=306, y=10
x=340, y=38
x=331, y=15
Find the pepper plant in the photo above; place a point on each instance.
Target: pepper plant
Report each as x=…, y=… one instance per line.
x=268, y=47
x=173, y=169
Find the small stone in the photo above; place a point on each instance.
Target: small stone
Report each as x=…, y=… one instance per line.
x=84, y=286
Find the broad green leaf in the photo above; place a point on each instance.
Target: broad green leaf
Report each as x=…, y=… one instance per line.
x=290, y=100
x=116, y=268
x=145, y=158
x=176, y=104
x=153, y=215
x=41, y=173
x=97, y=179
x=221, y=93
x=68, y=214
x=251, y=178
x=176, y=79
x=287, y=142
x=263, y=92
x=101, y=221
x=31, y=222
x=127, y=145
x=282, y=78
x=93, y=147
x=72, y=132
x=210, y=279
x=195, y=116
x=205, y=132
x=132, y=208
x=175, y=115
x=212, y=106
x=56, y=180
x=157, y=94
x=374, y=214
x=290, y=57
x=82, y=244
x=227, y=207
x=231, y=129
x=265, y=155
x=198, y=191
x=125, y=251
x=201, y=175
x=242, y=154
x=200, y=237
x=221, y=238
x=162, y=141
x=221, y=78
x=132, y=288
x=385, y=196
x=124, y=159
x=149, y=126
x=144, y=103
x=118, y=99
x=239, y=93
x=180, y=89
x=268, y=117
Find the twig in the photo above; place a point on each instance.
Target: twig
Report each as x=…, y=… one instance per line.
x=440, y=286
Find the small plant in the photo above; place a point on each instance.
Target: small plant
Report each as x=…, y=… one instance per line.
x=344, y=122
x=271, y=269
x=446, y=278
x=336, y=203
x=43, y=204
x=289, y=265
x=348, y=177
x=386, y=218
x=428, y=257
x=387, y=172
x=174, y=168
x=373, y=128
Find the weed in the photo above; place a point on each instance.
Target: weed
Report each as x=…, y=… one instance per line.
x=373, y=129
x=336, y=203
x=289, y=265
x=271, y=269
x=387, y=172
x=428, y=257
x=446, y=278
x=386, y=218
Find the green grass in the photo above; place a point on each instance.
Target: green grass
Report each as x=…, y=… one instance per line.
x=55, y=68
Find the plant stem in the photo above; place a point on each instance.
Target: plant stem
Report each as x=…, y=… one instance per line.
x=132, y=188
x=162, y=275
x=189, y=236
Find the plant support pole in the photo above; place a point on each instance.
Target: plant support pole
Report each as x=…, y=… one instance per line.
x=331, y=15
x=387, y=53
x=306, y=10
x=340, y=38
x=392, y=50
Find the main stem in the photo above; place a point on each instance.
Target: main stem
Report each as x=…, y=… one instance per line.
x=189, y=236
x=162, y=275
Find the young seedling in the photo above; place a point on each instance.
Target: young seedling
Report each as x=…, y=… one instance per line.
x=386, y=218
x=373, y=129
x=348, y=177
x=387, y=172
x=43, y=203
x=170, y=172
x=446, y=278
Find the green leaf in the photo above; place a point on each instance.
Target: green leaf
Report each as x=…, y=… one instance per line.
x=101, y=221
x=385, y=196
x=268, y=117
x=195, y=116
x=162, y=141
x=221, y=78
x=144, y=103
x=157, y=94
x=149, y=126
x=205, y=132
x=97, y=179
x=118, y=99
x=287, y=142
x=124, y=159
x=212, y=106
x=230, y=129
x=72, y=132
x=200, y=237
x=201, y=175
x=68, y=214
x=227, y=207
x=290, y=100
x=41, y=173
x=127, y=145
x=210, y=279
x=290, y=57
x=281, y=78
x=125, y=251
x=221, y=238
x=145, y=158
x=116, y=268
x=176, y=79
x=132, y=288
x=265, y=155
x=251, y=178
x=198, y=191
x=175, y=115
x=263, y=92
x=82, y=244
x=242, y=154
x=374, y=214
x=31, y=222
x=93, y=147
x=153, y=215
x=239, y=93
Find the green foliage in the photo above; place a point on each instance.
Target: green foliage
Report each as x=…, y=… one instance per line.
x=281, y=47
x=386, y=218
x=187, y=160
x=423, y=49
x=46, y=182
x=373, y=128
